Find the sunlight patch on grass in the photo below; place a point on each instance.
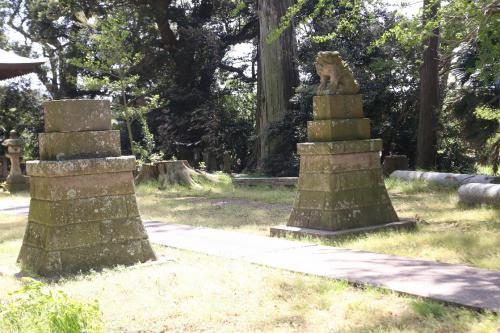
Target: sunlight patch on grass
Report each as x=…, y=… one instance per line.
x=201, y=293
x=11, y=227
x=224, y=189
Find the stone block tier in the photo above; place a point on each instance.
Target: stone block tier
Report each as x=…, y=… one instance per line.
x=341, y=188
x=83, y=211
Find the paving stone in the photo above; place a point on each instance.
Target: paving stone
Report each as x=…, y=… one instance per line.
x=456, y=284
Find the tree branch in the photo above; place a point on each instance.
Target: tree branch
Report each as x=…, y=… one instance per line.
x=240, y=72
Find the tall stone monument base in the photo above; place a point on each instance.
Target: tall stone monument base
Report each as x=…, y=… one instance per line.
x=341, y=188
x=83, y=211
x=341, y=191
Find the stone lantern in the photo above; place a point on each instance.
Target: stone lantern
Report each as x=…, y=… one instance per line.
x=15, y=181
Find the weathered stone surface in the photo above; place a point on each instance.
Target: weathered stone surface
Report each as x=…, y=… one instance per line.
x=348, y=218
x=337, y=107
x=69, y=236
x=340, y=200
x=476, y=193
x=77, y=115
x=339, y=163
x=349, y=180
x=335, y=75
x=15, y=181
x=339, y=147
x=82, y=210
x=79, y=167
x=79, y=145
x=84, y=186
x=341, y=186
x=81, y=259
x=286, y=231
x=337, y=130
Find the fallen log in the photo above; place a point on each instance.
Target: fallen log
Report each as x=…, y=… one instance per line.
x=449, y=179
x=476, y=193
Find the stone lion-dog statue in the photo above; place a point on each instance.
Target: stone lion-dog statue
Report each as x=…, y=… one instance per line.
x=336, y=76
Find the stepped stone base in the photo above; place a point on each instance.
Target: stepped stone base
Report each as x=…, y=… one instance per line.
x=341, y=187
x=338, y=129
x=18, y=183
x=83, y=215
x=284, y=231
x=78, y=145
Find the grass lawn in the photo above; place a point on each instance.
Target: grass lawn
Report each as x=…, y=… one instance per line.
x=447, y=231
x=196, y=293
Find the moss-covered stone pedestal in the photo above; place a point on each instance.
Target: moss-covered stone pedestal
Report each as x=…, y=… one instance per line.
x=341, y=188
x=83, y=211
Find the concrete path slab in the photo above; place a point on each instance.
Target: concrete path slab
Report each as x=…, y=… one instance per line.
x=456, y=284
x=21, y=210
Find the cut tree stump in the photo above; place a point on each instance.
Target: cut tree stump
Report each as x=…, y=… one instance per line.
x=172, y=173
x=147, y=172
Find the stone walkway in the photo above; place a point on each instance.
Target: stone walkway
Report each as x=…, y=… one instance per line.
x=456, y=284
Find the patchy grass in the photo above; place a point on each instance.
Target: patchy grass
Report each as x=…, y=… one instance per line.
x=198, y=293
x=447, y=231
x=221, y=205
x=222, y=190
x=195, y=293
x=8, y=198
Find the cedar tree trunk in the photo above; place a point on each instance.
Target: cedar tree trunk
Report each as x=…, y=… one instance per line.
x=429, y=95
x=277, y=73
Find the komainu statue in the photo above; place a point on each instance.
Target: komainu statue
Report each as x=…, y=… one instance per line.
x=336, y=76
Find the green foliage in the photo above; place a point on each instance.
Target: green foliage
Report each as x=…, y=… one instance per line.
x=428, y=309
x=20, y=109
x=493, y=143
x=109, y=64
x=36, y=309
x=387, y=74
x=230, y=130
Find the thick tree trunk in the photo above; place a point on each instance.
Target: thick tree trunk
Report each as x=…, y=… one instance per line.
x=171, y=173
x=277, y=73
x=429, y=96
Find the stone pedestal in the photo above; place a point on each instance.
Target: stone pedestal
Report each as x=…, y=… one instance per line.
x=15, y=181
x=341, y=187
x=83, y=211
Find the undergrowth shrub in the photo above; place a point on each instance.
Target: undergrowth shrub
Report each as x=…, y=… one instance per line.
x=35, y=309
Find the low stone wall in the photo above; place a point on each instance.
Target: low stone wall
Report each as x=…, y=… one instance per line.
x=476, y=193
x=449, y=179
x=266, y=181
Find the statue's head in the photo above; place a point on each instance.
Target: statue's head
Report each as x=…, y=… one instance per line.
x=326, y=58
